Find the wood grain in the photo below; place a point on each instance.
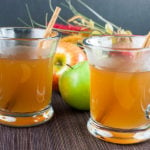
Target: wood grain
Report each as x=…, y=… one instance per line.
x=66, y=131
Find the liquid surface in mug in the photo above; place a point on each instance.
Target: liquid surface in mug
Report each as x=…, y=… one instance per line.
x=25, y=84
x=119, y=99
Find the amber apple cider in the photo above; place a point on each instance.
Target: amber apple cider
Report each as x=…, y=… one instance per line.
x=25, y=84
x=119, y=99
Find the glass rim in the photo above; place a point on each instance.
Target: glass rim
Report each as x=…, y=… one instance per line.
x=30, y=38
x=105, y=48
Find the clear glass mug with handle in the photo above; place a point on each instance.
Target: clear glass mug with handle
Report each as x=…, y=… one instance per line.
x=119, y=88
x=26, y=65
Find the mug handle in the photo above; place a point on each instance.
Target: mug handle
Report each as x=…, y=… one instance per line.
x=147, y=112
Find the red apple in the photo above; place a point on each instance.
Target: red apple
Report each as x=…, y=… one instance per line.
x=66, y=54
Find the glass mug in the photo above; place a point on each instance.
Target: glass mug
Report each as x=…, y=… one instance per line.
x=120, y=88
x=26, y=65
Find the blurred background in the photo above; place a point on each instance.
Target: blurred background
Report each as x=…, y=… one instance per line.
x=128, y=14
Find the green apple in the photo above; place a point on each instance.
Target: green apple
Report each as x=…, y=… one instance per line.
x=74, y=86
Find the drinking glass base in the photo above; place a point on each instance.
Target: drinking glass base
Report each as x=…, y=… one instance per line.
x=26, y=119
x=119, y=136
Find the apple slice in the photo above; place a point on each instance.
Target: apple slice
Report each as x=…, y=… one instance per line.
x=122, y=90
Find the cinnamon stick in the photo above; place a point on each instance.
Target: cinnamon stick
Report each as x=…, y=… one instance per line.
x=147, y=41
x=52, y=22
x=50, y=26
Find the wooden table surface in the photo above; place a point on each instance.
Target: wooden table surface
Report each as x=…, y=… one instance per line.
x=65, y=131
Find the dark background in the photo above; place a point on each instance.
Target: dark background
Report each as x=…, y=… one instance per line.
x=128, y=14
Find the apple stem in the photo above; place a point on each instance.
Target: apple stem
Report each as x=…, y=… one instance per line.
x=69, y=66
